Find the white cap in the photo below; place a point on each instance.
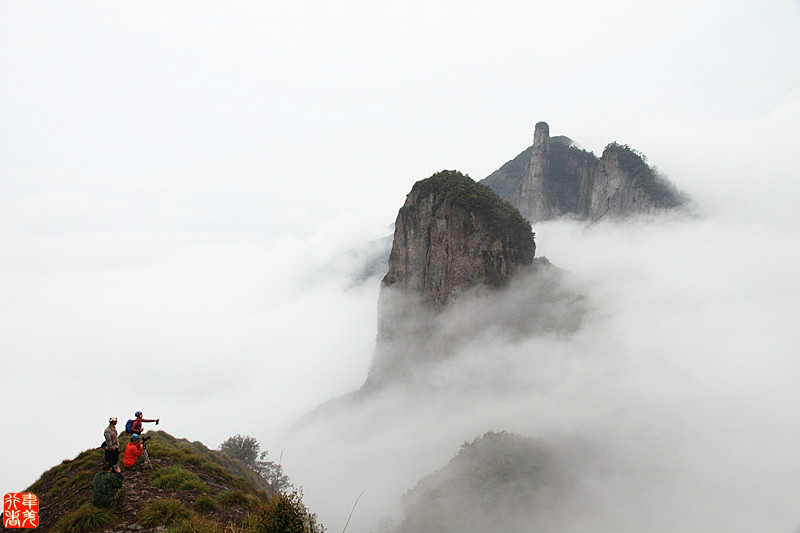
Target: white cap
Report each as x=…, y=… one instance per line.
x=112, y=419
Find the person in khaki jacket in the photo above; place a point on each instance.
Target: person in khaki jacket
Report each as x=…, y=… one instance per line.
x=112, y=442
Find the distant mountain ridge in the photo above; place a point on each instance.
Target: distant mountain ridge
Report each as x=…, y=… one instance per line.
x=486, y=487
x=554, y=177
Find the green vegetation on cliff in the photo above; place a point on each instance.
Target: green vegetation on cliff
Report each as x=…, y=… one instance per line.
x=643, y=175
x=460, y=189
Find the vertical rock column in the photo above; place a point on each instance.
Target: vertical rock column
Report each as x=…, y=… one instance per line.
x=531, y=196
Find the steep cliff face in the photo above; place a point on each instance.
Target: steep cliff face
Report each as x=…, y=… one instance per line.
x=623, y=184
x=554, y=178
x=452, y=236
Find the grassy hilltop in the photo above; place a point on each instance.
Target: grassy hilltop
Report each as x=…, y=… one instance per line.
x=190, y=489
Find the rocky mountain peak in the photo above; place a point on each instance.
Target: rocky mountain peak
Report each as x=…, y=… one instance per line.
x=530, y=197
x=453, y=234
x=554, y=177
x=541, y=135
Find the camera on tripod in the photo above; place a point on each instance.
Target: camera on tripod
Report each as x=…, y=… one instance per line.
x=146, y=438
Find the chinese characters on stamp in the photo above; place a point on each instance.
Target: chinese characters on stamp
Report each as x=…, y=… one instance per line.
x=20, y=510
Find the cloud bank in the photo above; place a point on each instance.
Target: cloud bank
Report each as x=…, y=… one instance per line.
x=674, y=399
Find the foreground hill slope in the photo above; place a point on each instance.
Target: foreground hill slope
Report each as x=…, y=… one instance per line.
x=189, y=488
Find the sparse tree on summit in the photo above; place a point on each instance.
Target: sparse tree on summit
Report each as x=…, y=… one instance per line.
x=248, y=450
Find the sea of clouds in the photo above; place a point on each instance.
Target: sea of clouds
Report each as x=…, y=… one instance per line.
x=682, y=374
x=679, y=389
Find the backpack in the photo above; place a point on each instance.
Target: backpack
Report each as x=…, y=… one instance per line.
x=129, y=425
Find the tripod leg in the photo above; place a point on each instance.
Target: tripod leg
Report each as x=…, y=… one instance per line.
x=147, y=456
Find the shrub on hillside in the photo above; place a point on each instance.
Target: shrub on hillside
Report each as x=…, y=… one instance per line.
x=233, y=498
x=163, y=513
x=286, y=513
x=177, y=478
x=85, y=518
x=207, y=504
x=248, y=450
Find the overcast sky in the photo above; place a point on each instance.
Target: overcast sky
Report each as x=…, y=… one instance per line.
x=182, y=186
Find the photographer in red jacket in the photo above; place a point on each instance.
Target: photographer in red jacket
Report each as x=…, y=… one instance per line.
x=133, y=452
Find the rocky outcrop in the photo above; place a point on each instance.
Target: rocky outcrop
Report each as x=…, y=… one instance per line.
x=623, y=184
x=452, y=236
x=530, y=198
x=554, y=178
